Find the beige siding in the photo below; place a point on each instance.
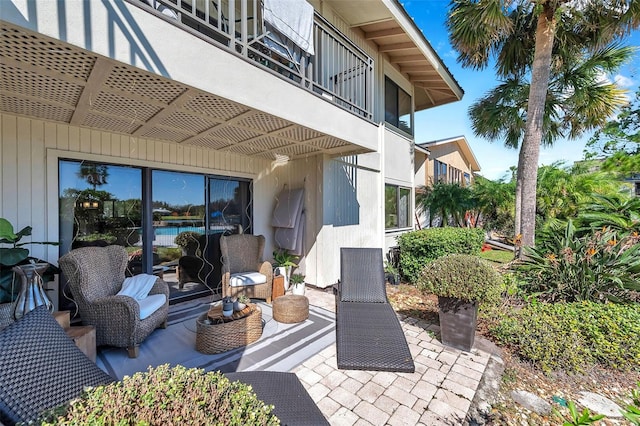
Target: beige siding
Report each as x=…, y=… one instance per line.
x=28, y=155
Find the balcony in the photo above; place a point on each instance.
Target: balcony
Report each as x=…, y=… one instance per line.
x=338, y=70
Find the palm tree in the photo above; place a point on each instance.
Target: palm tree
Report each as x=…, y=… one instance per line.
x=448, y=201
x=535, y=37
x=494, y=204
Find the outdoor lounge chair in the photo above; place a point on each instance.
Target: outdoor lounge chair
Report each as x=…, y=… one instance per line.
x=243, y=269
x=96, y=275
x=368, y=333
x=41, y=368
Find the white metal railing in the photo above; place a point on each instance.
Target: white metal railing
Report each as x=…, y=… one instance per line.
x=339, y=71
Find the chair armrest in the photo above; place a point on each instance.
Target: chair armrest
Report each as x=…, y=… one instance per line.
x=266, y=269
x=160, y=287
x=121, y=310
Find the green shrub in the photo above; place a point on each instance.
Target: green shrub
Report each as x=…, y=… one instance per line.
x=570, y=336
x=462, y=276
x=167, y=396
x=417, y=248
x=187, y=240
x=603, y=265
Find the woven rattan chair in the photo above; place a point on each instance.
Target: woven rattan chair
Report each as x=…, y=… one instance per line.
x=368, y=333
x=241, y=259
x=95, y=275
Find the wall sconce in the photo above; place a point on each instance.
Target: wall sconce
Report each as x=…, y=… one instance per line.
x=90, y=204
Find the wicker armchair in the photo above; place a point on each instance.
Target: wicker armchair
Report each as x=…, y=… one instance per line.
x=95, y=275
x=241, y=259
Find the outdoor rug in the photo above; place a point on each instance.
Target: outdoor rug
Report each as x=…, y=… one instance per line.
x=282, y=347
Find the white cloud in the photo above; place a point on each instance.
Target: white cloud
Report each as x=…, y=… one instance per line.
x=624, y=81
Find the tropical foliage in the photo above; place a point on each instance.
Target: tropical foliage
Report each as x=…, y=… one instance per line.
x=601, y=266
x=445, y=203
x=618, y=143
x=494, y=204
x=545, y=51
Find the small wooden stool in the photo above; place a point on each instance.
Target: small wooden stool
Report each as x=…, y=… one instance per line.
x=291, y=308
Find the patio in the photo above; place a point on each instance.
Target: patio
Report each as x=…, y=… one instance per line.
x=441, y=391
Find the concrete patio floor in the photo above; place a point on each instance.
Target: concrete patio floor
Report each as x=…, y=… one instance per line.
x=442, y=391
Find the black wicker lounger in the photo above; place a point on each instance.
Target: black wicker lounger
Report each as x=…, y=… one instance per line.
x=368, y=333
x=291, y=401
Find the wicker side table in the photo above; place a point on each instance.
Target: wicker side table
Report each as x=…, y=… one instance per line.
x=291, y=308
x=215, y=338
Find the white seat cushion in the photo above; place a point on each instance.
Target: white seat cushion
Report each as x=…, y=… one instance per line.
x=242, y=279
x=150, y=304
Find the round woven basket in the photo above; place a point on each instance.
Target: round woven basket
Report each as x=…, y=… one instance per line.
x=291, y=309
x=216, y=338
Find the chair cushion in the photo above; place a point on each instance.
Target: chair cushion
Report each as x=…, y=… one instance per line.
x=150, y=304
x=247, y=278
x=138, y=286
x=41, y=367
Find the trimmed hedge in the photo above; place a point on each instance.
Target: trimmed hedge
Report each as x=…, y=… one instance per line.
x=462, y=276
x=417, y=248
x=166, y=396
x=570, y=336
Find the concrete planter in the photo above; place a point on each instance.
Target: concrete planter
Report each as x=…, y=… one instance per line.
x=458, y=319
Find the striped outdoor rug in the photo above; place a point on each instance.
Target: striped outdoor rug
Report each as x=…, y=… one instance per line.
x=282, y=347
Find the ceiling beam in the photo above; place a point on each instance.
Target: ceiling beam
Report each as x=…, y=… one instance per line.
x=397, y=46
x=93, y=87
x=384, y=33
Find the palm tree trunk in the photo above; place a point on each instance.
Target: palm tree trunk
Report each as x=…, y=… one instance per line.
x=530, y=149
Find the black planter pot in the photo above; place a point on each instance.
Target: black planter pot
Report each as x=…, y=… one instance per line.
x=458, y=319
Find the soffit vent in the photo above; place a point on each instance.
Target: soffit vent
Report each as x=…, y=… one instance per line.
x=214, y=106
x=143, y=84
x=44, y=53
x=23, y=82
x=113, y=124
x=114, y=104
x=35, y=108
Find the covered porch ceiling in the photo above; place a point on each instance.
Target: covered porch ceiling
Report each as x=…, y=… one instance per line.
x=48, y=79
x=387, y=24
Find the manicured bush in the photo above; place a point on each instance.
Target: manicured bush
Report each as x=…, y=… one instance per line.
x=417, y=248
x=570, y=336
x=167, y=396
x=462, y=276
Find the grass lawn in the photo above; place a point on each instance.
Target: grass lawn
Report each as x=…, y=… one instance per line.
x=497, y=256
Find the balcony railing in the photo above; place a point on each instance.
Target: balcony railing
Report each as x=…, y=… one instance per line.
x=339, y=70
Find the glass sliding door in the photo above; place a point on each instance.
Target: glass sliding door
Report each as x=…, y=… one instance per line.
x=182, y=214
x=99, y=203
x=229, y=206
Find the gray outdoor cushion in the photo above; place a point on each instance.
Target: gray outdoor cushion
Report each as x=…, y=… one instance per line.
x=41, y=367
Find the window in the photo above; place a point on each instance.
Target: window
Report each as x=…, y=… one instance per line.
x=439, y=171
x=397, y=207
x=106, y=203
x=397, y=107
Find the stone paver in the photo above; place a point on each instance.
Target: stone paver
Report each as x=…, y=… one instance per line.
x=438, y=393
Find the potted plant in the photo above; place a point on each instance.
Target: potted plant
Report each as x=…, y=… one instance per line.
x=391, y=273
x=15, y=260
x=297, y=284
x=188, y=242
x=241, y=302
x=461, y=282
x=284, y=262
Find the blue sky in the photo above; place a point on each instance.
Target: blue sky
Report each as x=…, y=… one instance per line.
x=452, y=120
